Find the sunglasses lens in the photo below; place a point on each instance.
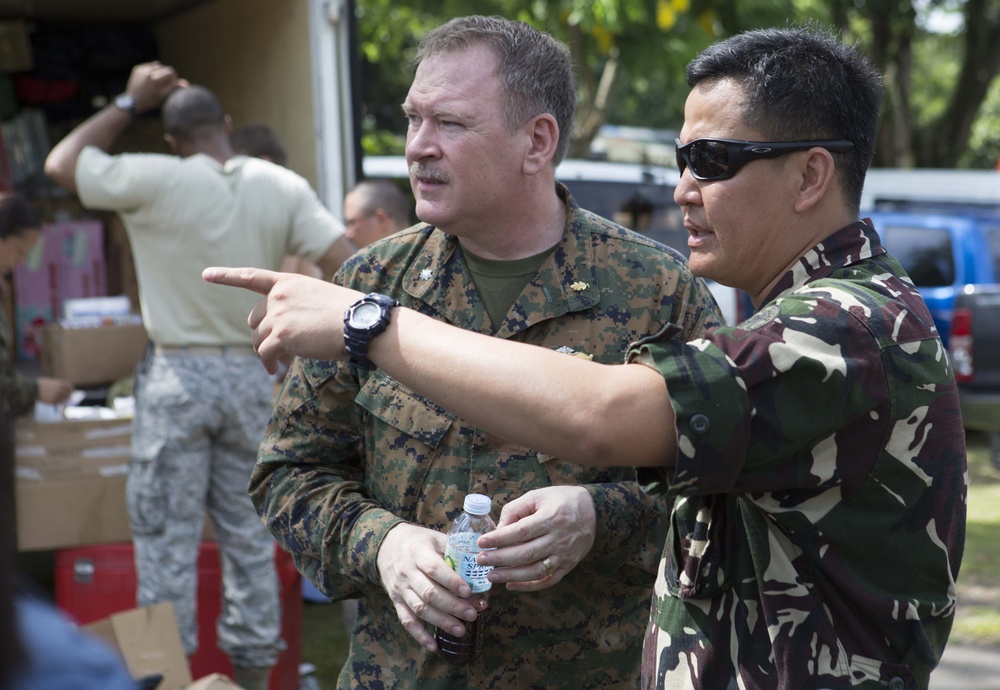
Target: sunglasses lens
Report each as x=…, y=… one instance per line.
x=709, y=159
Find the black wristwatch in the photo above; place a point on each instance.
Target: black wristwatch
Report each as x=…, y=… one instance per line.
x=126, y=103
x=364, y=320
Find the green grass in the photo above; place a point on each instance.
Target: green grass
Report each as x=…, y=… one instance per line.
x=978, y=625
x=325, y=643
x=978, y=618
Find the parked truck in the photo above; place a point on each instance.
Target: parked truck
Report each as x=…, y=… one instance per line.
x=974, y=347
x=943, y=250
x=944, y=227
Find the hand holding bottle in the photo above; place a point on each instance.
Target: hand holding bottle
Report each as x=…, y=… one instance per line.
x=417, y=579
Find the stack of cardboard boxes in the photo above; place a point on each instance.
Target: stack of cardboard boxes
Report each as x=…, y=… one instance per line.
x=70, y=491
x=70, y=482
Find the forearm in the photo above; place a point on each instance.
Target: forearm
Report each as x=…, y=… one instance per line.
x=101, y=130
x=565, y=406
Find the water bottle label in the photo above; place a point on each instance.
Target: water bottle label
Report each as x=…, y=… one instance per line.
x=460, y=555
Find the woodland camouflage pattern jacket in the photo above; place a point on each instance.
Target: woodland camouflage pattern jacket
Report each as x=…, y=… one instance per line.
x=819, y=491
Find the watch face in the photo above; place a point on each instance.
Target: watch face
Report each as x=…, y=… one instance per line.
x=125, y=102
x=365, y=315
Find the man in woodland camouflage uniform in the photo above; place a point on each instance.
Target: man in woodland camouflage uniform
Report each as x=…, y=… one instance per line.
x=814, y=454
x=819, y=516
x=359, y=477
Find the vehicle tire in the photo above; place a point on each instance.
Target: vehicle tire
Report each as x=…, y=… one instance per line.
x=995, y=448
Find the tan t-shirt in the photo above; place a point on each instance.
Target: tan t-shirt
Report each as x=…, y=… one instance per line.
x=185, y=214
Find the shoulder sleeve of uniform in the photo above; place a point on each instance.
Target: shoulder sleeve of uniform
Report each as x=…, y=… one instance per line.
x=309, y=482
x=119, y=183
x=18, y=392
x=750, y=400
x=23, y=394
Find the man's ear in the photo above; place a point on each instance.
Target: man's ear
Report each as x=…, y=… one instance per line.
x=172, y=143
x=383, y=220
x=542, y=133
x=818, y=171
x=227, y=124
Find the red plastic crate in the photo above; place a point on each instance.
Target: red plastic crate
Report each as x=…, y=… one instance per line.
x=93, y=582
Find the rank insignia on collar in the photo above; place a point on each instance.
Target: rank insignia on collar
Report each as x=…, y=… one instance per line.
x=425, y=274
x=567, y=350
x=579, y=286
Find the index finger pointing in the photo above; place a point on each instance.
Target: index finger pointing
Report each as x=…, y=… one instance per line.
x=257, y=279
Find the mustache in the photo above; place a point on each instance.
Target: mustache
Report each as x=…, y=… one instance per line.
x=422, y=172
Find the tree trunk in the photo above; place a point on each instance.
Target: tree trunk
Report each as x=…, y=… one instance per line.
x=950, y=135
x=589, y=125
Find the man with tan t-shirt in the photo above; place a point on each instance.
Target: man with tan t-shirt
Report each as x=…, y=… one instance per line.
x=202, y=399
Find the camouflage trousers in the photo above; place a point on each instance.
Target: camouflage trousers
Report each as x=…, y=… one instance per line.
x=198, y=424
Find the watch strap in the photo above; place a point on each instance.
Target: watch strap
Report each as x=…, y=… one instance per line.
x=126, y=103
x=356, y=340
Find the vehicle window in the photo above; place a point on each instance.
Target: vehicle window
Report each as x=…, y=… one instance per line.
x=993, y=237
x=925, y=254
x=645, y=208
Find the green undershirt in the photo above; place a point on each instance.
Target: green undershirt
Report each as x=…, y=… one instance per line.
x=500, y=283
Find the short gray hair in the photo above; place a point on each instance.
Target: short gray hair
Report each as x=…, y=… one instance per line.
x=535, y=70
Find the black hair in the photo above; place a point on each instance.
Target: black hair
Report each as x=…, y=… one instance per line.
x=16, y=215
x=190, y=108
x=259, y=141
x=802, y=84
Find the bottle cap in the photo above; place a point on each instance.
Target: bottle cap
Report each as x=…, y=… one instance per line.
x=478, y=504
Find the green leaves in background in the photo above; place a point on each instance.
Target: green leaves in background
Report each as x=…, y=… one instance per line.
x=939, y=58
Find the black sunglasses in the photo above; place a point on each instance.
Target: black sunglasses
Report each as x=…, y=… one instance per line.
x=720, y=159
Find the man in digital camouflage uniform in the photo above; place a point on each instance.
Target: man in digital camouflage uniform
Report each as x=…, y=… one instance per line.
x=359, y=477
x=202, y=399
x=814, y=454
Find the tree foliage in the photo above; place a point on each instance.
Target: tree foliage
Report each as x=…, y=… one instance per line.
x=629, y=57
x=936, y=83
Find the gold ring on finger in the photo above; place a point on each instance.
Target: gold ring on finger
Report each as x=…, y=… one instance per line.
x=549, y=568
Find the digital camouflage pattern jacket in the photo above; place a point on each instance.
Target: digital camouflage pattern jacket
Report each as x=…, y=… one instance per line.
x=344, y=460
x=819, y=491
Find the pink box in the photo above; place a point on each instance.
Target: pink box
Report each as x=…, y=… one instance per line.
x=68, y=262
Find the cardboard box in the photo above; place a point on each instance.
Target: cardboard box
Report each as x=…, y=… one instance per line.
x=148, y=641
x=70, y=486
x=88, y=356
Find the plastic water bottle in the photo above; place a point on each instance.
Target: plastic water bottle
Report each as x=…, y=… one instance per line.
x=460, y=554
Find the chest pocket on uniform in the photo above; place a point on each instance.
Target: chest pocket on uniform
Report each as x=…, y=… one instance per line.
x=403, y=431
